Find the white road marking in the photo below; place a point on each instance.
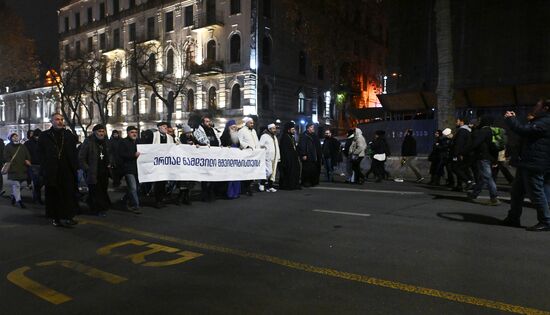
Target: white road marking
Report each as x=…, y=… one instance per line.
x=397, y=192
x=342, y=212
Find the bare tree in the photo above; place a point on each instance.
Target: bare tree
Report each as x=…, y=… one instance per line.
x=167, y=80
x=445, y=80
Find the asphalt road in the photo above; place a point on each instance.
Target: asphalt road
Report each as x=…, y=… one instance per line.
x=390, y=248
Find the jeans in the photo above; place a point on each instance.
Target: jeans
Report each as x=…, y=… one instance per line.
x=485, y=177
x=329, y=169
x=132, y=194
x=15, y=189
x=407, y=161
x=533, y=184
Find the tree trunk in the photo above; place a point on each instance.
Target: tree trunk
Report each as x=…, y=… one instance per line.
x=445, y=79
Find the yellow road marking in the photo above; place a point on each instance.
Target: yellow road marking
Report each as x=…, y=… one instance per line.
x=18, y=278
x=87, y=270
x=455, y=297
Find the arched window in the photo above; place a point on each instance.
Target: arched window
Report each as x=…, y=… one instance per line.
x=212, y=98
x=118, y=108
x=265, y=97
x=302, y=63
x=153, y=105
x=211, y=50
x=169, y=108
x=152, y=63
x=266, y=51
x=118, y=70
x=236, y=96
x=235, y=49
x=190, y=100
x=170, y=61
x=301, y=102
x=189, y=56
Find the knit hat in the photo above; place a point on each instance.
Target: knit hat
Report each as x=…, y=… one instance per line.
x=289, y=125
x=131, y=128
x=230, y=123
x=163, y=123
x=186, y=129
x=446, y=132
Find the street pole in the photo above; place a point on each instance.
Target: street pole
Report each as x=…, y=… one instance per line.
x=29, y=111
x=135, y=61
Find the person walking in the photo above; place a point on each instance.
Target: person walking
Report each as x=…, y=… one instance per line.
x=230, y=138
x=331, y=154
x=291, y=166
x=309, y=149
x=248, y=139
x=94, y=158
x=117, y=170
x=380, y=151
x=206, y=136
x=19, y=159
x=460, y=158
x=357, y=154
x=270, y=143
x=59, y=165
x=408, y=157
x=160, y=136
x=484, y=159
x=438, y=157
x=128, y=157
x=533, y=166
x=2, y=161
x=36, y=176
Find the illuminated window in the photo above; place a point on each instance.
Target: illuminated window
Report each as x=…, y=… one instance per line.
x=153, y=105
x=152, y=63
x=211, y=50
x=212, y=98
x=301, y=103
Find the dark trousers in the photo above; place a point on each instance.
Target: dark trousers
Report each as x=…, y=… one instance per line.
x=462, y=171
x=505, y=171
x=378, y=169
x=159, y=189
x=356, y=167
x=36, y=183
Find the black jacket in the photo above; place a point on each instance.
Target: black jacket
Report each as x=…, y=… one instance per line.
x=379, y=146
x=309, y=146
x=88, y=158
x=331, y=149
x=32, y=147
x=128, y=149
x=480, y=144
x=460, y=141
x=535, y=142
x=408, y=148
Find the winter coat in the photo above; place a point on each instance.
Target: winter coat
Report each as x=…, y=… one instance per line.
x=460, y=141
x=88, y=158
x=408, y=148
x=49, y=151
x=18, y=168
x=331, y=150
x=32, y=147
x=308, y=147
x=271, y=145
x=480, y=144
x=359, y=145
x=206, y=138
x=157, y=137
x=380, y=146
x=248, y=138
x=128, y=149
x=535, y=148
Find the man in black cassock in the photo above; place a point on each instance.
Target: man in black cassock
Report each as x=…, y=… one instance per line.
x=290, y=166
x=57, y=147
x=309, y=148
x=94, y=159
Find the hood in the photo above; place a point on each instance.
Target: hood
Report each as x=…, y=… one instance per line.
x=358, y=132
x=466, y=127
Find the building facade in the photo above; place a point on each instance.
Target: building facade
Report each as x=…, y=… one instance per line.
x=231, y=58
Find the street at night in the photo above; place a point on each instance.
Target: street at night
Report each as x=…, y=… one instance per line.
x=334, y=249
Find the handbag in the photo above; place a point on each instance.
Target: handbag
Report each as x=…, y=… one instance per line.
x=6, y=167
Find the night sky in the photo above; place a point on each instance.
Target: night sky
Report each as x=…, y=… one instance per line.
x=40, y=17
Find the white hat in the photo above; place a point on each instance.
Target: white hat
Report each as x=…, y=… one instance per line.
x=271, y=126
x=447, y=131
x=247, y=119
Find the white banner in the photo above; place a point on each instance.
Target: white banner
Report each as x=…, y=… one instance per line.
x=160, y=162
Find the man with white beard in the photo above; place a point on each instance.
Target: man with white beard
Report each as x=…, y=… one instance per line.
x=248, y=139
x=269, y=142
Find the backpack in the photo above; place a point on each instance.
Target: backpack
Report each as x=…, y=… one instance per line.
x=499, y=139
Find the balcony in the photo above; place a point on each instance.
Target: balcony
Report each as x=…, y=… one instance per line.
x=209, y=67
x=208, y=19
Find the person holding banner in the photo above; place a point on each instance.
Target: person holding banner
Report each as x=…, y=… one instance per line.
x=290, y=167
x=161, y=136
x=95, y=159
x=129, y=155
x=206, y=136
x=248, y=139
x=269, y=142
x=230, y=138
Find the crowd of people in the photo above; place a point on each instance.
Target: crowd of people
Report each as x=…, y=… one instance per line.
x=468, y=158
